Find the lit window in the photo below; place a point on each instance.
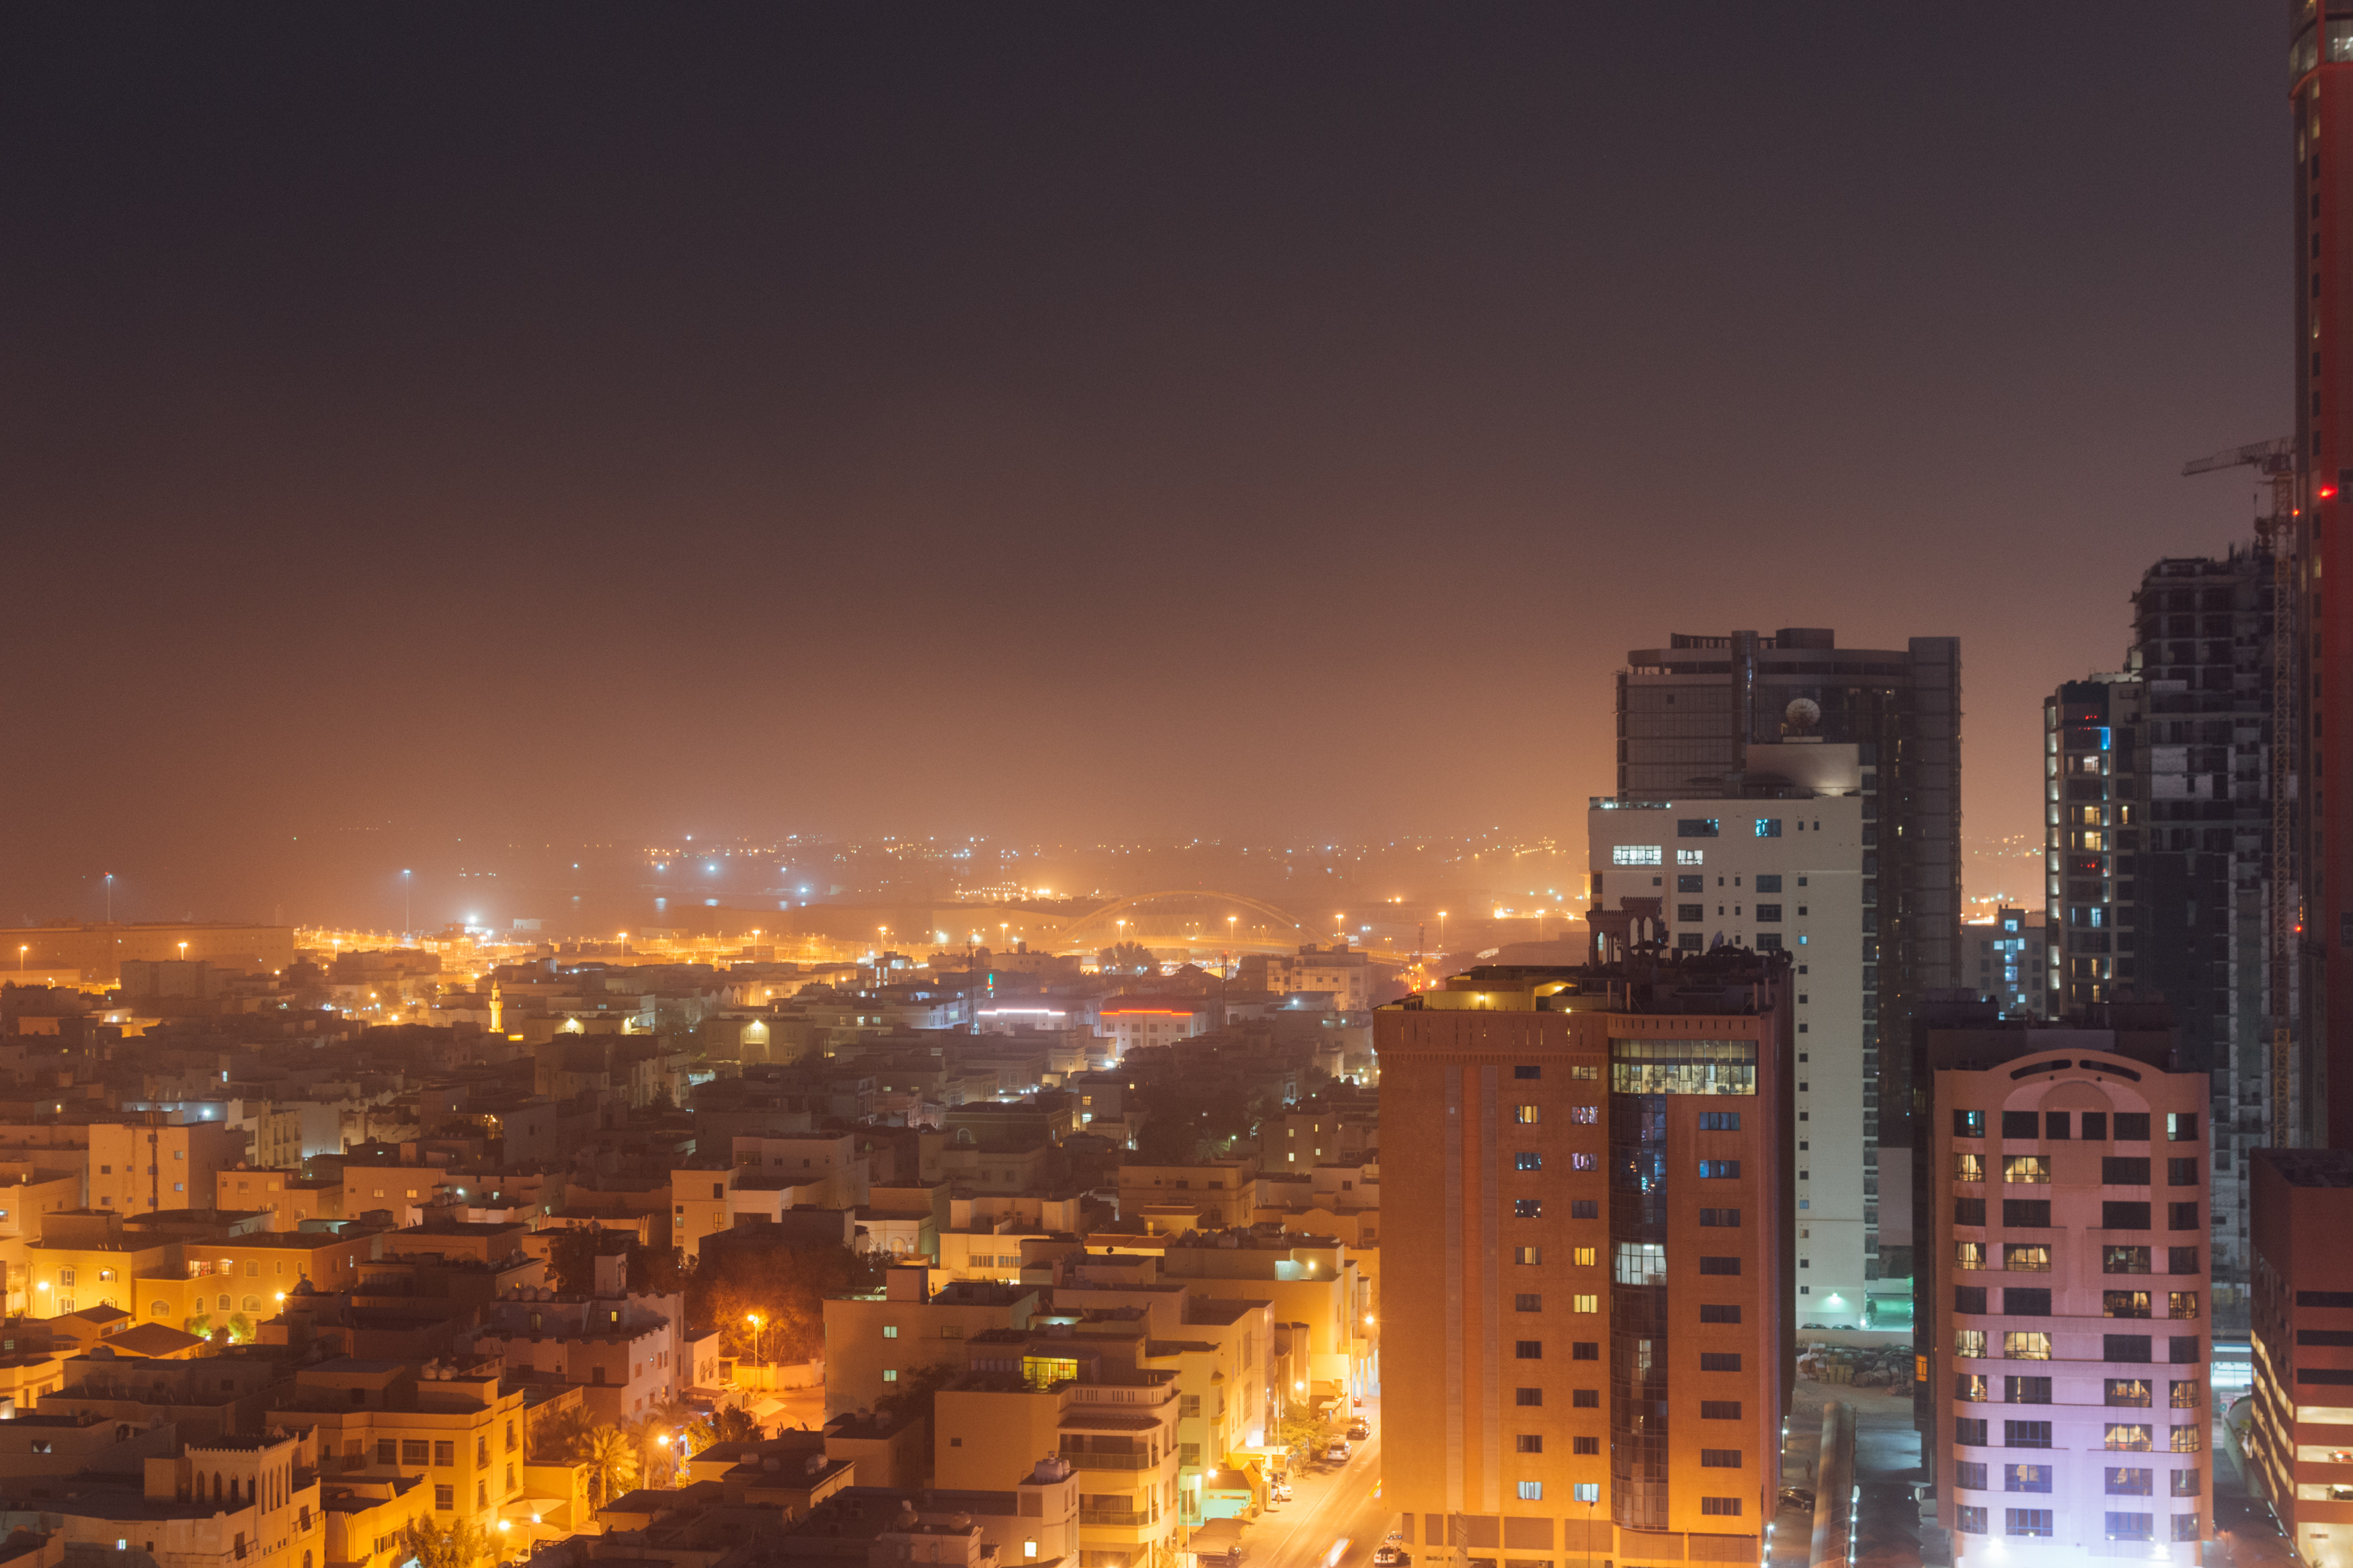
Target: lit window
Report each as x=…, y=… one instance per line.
x=1642, y=1263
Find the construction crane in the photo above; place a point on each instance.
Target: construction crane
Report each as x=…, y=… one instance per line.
x=2275, y=462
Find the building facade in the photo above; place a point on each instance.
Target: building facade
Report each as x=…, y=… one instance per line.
x=1593, y=1358
x=1781, y=865
x=2065, y=1302
x=1344, y=971
x=1686, y=714
x=2299, y=1443
x=2321, y=60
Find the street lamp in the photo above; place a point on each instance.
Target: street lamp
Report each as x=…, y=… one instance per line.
x=406, y=881
x=22, y=948
x=753, y=1319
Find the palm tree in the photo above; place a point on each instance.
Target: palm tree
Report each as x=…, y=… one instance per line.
x=562, y=1435
x=734, y=1425
x=611, y=1455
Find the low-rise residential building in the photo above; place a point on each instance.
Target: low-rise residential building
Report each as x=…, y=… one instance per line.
x=241, y=1281
x=1001, y=1250
x=706, y=1201
x=156, y=1165
x=217, y=1396
x=871, y=1342
x=1217, y=1193
x=403, y=1192
x=1346, y=973
x=1132, y=1021
x=1309, y=1281
x=1305, y=1136
x=92, y=1260
x=1025, y=1402
x=365, y=1516
x=286, y=1195
x=627, y=1354
x=453, y=1428
x=250, y=1501
x=1034, y=1524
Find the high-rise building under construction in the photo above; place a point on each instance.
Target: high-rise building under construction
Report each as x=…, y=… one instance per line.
x=2158, y=865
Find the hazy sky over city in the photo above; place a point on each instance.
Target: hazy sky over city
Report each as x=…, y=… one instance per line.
x=566, y=421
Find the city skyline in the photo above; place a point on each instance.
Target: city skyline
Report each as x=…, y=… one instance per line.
x=594, y=393
x=746, y=739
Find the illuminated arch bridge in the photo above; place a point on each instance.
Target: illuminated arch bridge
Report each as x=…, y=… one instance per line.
x=1196, y=917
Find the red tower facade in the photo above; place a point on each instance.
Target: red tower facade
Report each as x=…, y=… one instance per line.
x=2321, y=70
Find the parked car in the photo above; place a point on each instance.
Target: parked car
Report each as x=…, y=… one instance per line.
x=1339, y=1451
x=1281, y=1492
x=1390, y=1555
x=1359, y=1429
x=1799, y=1498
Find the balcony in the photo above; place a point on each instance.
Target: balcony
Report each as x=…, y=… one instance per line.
x=1117, y=1517
x=1098, y=1461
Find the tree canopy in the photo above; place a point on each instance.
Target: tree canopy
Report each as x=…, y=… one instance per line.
x=785, y=1286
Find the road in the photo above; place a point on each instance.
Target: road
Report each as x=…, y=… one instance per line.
x=1328, y=1506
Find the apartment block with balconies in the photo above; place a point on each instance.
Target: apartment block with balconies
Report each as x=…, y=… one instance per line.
x=1028, y=1398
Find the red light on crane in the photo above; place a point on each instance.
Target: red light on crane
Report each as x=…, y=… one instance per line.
x=2327, y=492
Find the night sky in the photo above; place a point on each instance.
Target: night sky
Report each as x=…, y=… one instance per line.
x=1067, y=422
